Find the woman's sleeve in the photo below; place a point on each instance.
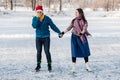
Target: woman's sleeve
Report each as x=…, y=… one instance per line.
x=70, y=27
x=84, y=28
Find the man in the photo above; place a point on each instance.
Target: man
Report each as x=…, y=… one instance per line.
x=41, y=23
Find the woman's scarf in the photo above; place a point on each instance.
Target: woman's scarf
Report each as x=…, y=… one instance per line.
x=79, y=24
x=41, y=17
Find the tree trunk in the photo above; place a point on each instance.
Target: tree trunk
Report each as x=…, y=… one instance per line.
x=33, y=4
x=49, y=5
x=60, y=5
x=108, y=5
x=6, y=4
x=11, y=4
x=113, y=8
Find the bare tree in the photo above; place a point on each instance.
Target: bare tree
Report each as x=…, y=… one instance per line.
x=60, y=6
x=27, y=3
x=39, y=2
x=11, y=4
x=117, y=4
x=113, y=4
x=49, y=4
x=6, y=4
x=33, y=4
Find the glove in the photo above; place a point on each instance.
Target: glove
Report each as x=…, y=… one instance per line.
x=60, y=36
x=80, y=34
x=63, y=33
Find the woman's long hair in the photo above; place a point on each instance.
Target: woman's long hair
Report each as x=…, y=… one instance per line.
x=82, y=14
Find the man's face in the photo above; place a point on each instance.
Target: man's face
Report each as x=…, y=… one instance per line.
x=39, y=13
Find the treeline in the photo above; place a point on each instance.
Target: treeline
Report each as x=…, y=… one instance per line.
x=60, y=4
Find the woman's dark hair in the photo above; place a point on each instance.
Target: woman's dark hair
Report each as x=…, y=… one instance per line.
x=82, y=14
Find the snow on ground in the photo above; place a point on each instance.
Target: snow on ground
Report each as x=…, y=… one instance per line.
x=18, y=54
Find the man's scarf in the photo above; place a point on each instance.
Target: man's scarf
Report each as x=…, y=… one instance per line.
x=41, y=17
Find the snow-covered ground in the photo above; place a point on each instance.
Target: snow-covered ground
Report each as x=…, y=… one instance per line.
x=18, y=53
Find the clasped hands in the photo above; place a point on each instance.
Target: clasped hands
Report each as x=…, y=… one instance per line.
x=61, y=35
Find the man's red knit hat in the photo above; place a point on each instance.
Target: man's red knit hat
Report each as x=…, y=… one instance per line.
x=39, y=8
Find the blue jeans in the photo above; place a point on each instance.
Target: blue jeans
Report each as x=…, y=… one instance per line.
x=46, y=43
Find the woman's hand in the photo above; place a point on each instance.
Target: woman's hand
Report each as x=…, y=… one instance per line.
x=80, y=34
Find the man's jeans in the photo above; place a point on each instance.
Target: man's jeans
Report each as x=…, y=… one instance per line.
x=46, y=43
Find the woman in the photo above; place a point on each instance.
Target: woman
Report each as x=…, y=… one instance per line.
x=79, y=43
x=41, y=23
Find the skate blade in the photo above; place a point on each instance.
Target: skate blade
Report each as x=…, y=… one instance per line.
x=89, y=70
x=37, y=71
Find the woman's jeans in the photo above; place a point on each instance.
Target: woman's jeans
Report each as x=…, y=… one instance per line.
x=46, y=43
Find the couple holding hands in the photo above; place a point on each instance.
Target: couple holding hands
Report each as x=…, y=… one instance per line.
x=79, y=43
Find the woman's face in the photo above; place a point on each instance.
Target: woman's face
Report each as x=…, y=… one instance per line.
x=39, y=13
x=77, y=14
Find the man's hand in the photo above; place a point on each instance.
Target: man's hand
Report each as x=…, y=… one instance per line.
x=61, y=35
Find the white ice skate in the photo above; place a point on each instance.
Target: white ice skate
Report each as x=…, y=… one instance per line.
x=88, y=67
x=73, y=67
